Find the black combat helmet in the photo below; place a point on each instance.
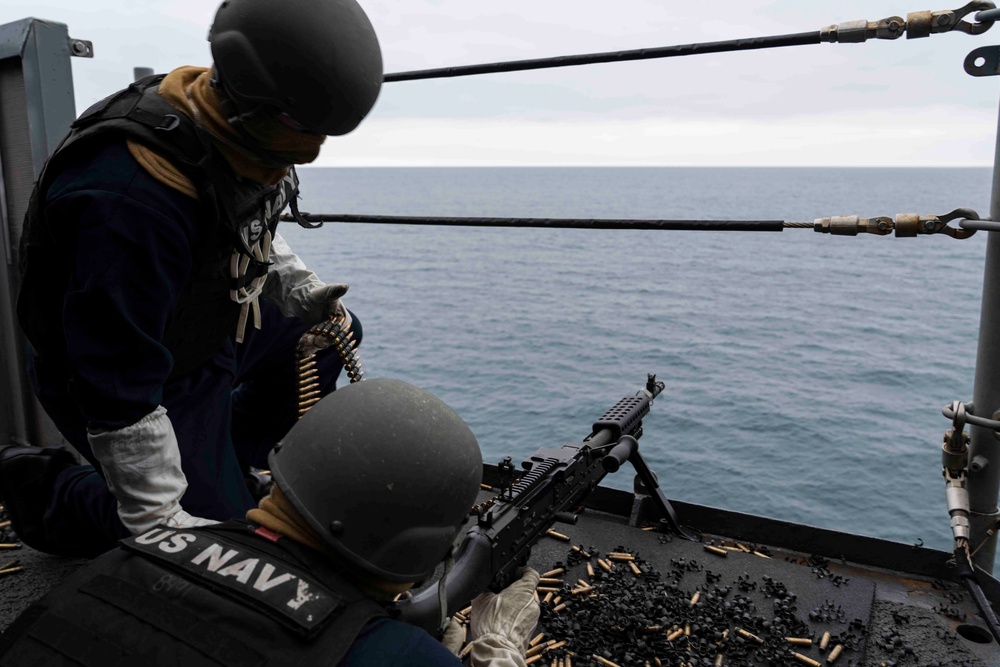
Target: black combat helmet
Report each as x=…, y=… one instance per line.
x=385, y=472
x=318, y=61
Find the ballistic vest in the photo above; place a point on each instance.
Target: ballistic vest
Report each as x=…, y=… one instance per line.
x=237, y=211
x=217, y=596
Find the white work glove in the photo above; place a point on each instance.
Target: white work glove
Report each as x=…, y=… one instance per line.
x=142, y=466
x=502, y=624
x=454, y=636
x=297, y=291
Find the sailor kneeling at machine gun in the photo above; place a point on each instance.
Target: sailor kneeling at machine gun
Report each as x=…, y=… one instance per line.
x=358, y=515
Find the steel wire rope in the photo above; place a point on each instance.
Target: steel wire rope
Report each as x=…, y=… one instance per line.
x=916, y=25
x=554, y=223
x=745, y=44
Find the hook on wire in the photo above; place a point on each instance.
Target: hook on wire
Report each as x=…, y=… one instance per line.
x=923, y=24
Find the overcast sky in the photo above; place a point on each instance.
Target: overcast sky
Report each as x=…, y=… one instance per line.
x=902, y=102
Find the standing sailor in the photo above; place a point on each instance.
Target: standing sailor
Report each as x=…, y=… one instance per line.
x=371, y=489
x=162, y=307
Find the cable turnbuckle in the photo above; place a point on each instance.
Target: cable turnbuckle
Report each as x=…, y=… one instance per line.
x=905, y=225
x=916, y=25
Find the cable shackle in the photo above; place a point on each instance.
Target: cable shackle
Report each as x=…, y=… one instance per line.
x=906, y=225
x=916, y=25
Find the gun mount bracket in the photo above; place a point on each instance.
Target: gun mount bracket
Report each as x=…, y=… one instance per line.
x=984, y=61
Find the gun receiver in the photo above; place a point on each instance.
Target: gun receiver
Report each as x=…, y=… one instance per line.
x=556, y=481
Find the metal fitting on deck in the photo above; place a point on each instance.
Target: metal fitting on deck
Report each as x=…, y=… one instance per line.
x=958, y=504
x=954, y=458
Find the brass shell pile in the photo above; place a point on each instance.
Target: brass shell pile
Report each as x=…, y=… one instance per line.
x=326, y=334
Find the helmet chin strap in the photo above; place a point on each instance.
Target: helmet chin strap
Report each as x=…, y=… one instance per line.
x=449, y=562
x=238, y=120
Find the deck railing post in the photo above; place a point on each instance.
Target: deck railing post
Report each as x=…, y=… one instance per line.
x=984, y=481
x=36, y=109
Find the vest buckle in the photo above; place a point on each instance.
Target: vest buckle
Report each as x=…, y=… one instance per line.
x=170, y=122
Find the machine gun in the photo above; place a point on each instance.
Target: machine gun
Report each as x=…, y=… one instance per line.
x=497, y=547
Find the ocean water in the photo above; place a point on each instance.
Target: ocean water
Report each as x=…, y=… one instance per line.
x=805, y=374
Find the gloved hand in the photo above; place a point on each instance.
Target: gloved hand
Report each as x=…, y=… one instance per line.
x=297, y=291
x=454, y=636
x=502, y=624
x=142, y=466
x=326, y=300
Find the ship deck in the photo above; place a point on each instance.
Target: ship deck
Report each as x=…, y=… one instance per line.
x=885, y=603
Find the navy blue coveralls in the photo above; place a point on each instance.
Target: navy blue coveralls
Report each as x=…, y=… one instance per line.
x=131, y=241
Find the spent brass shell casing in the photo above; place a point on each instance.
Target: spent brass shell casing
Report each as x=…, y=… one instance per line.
x=605, y=663
x=675, y=634
x=834, y=654
x=4, y=524
x=719, y=660
x=743, y=547
x=716, y=550
x=653, y=628
x=558, y=536
x=695, y=598
x=537, y=638
x=548, y=598
x=559, y=644
x=757, y=553
x=552, y=573
x=584, y=583
x=590, y=570
x=10, y=546
x=11, y=570
x=687, y=629
x=749, y=635
x=547, y=589
x=824, y=641
x=485, y=487
x=635, y=569
x=799, y=641
x=550, y=581
x=533, y=659
x=536, y=650
x=649, y=528
x=615, y=555
x=556, y=602
x=465, y=651
x=805, y=660
x=580, y=590
x=605, y=565
x=580, y=551
x=657, y=661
